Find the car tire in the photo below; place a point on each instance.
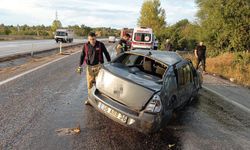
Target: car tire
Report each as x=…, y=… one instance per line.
x=168, y=115
x=86, y=102
x=200, y=85
x=172, y=100
x=191, y=99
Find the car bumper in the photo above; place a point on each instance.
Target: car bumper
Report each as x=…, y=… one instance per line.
x=61, y=39
x=140, y=121
x=142, y=46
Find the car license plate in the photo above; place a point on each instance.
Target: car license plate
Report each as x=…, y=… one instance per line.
x=112, y=112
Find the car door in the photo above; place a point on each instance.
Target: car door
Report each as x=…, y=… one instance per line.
x=189, y=84
x=185, y=84
x=181, y=87
x=169, y=90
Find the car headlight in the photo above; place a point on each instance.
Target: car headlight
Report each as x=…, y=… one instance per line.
x=155, y=105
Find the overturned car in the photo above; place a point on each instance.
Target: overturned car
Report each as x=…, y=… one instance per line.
x=140, y=89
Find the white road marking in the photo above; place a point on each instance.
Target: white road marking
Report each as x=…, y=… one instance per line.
x=32, y=70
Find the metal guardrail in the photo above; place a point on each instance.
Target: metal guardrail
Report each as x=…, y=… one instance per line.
x=32, y=53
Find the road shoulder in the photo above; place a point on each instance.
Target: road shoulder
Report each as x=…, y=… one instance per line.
x=236, y=95
x=15, y=67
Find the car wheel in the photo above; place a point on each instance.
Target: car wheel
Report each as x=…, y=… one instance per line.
x=191, y=99
x=167, y=117
x=200, y=85
x=172, y=101
x=86, y=102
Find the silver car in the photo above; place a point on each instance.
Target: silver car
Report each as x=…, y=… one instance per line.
x=112, y=39
x=141, y=88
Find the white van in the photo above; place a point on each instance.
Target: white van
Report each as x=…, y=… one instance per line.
x=64, y=35
x=142, y=38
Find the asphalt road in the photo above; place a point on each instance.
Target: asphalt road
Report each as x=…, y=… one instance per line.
x=235, y=94
x=22, y=46
x=33, y=107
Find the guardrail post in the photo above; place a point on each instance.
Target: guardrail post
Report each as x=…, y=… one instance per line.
x=60, y=47
x=32, y=50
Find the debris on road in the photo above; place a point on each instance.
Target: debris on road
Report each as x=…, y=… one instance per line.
x=171, y=145
x=68, y=131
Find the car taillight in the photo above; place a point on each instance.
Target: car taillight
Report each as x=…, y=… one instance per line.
x=154, y=106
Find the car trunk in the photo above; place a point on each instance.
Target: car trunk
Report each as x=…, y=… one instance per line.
x=125, y=87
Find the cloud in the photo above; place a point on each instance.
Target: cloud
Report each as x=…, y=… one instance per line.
x=179, y=9
x=109, y=13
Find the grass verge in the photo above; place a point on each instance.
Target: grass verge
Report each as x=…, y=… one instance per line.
x=232, y=66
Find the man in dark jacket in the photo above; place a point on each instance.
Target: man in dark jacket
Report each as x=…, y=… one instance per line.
x=92, y=55
x=123, y=44
x=200, y=54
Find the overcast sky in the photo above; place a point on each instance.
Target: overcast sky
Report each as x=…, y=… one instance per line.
x=94, y=13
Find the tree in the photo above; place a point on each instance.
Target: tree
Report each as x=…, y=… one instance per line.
x=183, y=35
x=225, y=23
x=153, y=16
x=85, y=29
x=55, y=25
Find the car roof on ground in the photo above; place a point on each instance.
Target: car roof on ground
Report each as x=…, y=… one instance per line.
x=167, y=57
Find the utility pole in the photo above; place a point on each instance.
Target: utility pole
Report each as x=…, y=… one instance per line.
x=18, y=28
x=56, y=16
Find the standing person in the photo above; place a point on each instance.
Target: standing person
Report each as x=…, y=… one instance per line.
x=156, y=44
x=168, y=45
x=92, y=55
x=200, y=54
x=123, y=44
